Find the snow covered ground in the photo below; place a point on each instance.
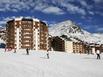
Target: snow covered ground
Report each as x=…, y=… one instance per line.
x=60, y=64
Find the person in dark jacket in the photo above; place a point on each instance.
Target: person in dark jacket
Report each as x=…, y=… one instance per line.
x=14, y=50
x=48, y=54
x=27, y=51
x=98, y=54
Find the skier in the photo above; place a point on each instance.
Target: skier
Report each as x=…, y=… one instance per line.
x=14, y=50
x=5, y=49
x=47, y=54
x=80, y=52
x=98, y=54
x=27, y=51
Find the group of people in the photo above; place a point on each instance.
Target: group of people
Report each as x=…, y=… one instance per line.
x=27, y=52
x=47, y=54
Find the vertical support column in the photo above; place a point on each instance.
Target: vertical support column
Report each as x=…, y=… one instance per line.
x=33, y=38
x=47, y=39
x=17, y=37
x=93, y=50
x=36, y=38
x=34, y=34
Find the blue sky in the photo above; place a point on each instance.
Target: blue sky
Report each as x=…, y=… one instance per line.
x=86, y=13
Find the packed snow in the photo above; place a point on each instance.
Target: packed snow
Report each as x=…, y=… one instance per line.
x=60, y=64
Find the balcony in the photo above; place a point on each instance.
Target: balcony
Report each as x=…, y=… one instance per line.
x=26, y=38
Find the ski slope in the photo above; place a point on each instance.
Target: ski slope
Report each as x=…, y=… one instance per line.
x=60, y=64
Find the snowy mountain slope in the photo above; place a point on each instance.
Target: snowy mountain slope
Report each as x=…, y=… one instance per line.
x=2, y=41
x=65, y=27
x=60, y=64
x=99, y=36
x=2, y=34
x=70, y=29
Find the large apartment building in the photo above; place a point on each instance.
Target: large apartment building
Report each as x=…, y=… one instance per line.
x=24, y=33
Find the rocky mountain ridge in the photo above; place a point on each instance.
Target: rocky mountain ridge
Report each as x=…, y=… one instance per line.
x=70, y=29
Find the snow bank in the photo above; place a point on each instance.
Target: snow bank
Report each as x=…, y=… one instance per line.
x=60, y=64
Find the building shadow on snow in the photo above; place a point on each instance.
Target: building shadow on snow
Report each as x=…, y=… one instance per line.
x=89, y=58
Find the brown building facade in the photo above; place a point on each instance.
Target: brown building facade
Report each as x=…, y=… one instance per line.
x=74, y=47
x=27, y=33
x=58, y=44
x=67, y=45
x=78, y=47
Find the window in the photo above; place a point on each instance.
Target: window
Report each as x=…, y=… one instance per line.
x=19, y=22
x=15, y=23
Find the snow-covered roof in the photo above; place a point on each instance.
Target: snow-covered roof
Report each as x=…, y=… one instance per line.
x=18, y=18
x=35, y=19
x=74, y=40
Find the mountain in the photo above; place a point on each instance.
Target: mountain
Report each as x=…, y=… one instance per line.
x=2, y=34
x=70, y=29
x=65, y=27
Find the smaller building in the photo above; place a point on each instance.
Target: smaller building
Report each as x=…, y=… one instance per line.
x=74, y=47
x=92, y=47
x=58, y=44
x=101, y=48
x=66, y=44
x=78, y=47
